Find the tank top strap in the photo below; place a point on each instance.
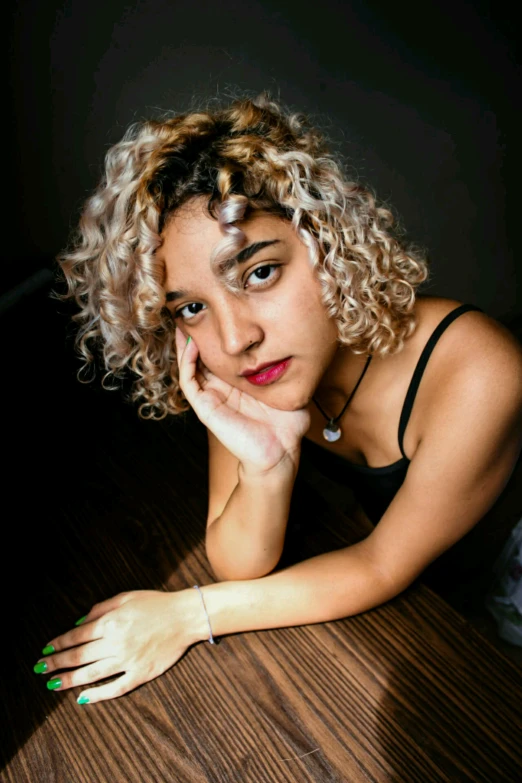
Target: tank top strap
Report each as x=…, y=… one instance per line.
x=421, y=366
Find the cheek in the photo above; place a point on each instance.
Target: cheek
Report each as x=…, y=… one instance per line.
x=310, y=317
x=214, y=361
x=298, y=306
x=307, y=297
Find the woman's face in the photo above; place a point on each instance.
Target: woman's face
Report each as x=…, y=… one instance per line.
x=277, y=316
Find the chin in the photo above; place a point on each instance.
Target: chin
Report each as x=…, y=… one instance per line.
x=286, y=399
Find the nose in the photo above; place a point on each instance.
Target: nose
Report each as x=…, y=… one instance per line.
x=238, y=328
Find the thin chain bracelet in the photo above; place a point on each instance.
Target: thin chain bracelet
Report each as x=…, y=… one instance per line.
x=211, y=638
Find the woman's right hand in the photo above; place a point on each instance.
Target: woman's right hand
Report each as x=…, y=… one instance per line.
x=261, y=437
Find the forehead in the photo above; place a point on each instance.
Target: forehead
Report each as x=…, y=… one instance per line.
x=191, y=236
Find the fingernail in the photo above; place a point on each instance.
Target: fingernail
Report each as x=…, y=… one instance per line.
x=54, y=683
x=82, y=699
x=48, y=650
x=40, y=667
x=189, y=338
x=81, y=620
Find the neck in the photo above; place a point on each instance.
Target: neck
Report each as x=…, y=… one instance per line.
x=341, y=376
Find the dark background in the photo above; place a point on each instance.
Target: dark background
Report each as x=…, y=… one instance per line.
x=420, y=100
x=421, y=104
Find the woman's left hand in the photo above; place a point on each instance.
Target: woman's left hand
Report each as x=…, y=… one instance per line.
x=139, y=634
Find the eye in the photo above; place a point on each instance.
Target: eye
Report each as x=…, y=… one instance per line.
x=192, y=311
x=263, y=275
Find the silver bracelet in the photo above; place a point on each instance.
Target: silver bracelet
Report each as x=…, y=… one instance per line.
x=211, y=638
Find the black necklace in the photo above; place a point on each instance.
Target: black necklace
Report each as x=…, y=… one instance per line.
x=332, y=431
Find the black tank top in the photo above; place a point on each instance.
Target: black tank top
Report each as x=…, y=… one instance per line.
x=375, y=488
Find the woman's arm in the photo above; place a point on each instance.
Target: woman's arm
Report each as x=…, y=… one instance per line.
x=254, y=453
x=140, y=634
x=326, y=587
x=248, y=514
x=246, y=540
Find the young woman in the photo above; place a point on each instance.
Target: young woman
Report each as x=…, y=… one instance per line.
x=226, y=261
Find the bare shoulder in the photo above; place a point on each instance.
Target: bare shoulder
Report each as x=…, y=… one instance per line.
x=476, y=350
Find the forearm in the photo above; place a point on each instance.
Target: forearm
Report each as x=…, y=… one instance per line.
x=247, y=540
x=323, y=588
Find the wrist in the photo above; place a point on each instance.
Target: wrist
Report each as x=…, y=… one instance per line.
x=203, y=606
x=195, y=619
x=235, y=606
x=284, y=470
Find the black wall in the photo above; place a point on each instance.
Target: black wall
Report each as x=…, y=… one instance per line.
x=421, y=104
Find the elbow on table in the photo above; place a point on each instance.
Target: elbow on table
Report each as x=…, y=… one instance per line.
x=237, y=570
x=244, y=558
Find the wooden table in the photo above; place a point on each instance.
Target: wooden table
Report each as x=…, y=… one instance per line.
x=406, y=692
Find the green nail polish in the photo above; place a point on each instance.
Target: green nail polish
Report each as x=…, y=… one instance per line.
x=40, y=667
x=188, y=340
x=82, y=699
x=48, y=650
x=54, y=683
x=81, y=620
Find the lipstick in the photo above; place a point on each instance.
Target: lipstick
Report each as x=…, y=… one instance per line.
x=269, y=374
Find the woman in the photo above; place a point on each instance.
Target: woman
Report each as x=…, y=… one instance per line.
x=226, y=262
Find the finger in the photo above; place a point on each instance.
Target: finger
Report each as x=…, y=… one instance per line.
x=99, y=670
x=87, y=629
x=187, y=372
x=203, y=375
x=207, y=375
x=111, y=690
x=99, y=610
x=189, y=355
x=182, y=342
x=222, y=387
x=201, y=370
x=194, y=376
x=73, y=657
x=87, y=632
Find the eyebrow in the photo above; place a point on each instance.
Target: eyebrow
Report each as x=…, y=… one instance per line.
x=240, y=258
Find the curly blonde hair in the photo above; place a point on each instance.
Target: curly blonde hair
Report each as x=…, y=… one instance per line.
x=249, y=155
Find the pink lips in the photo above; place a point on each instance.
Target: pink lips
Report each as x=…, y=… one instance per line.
x=268, y=374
